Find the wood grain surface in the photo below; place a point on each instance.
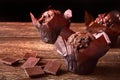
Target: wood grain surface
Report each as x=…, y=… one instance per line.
x=16, y=39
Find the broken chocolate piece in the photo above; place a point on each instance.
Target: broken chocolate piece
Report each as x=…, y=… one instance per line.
x=34, y=71
x=27, y=55
x=9, y=60
x=52, y=67
x=31, y=62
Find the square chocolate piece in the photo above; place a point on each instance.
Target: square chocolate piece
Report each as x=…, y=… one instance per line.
x=27, y=55
x=34, y=71
x=31, y=62
x=9, y=60
x=52, y=67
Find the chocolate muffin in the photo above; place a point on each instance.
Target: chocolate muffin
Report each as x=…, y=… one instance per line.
x=108, y=19
x=50, y=24
x=108, y=22
x=85, y=52
x=81, y=51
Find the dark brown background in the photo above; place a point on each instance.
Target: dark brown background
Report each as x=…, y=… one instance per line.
x=18, y=10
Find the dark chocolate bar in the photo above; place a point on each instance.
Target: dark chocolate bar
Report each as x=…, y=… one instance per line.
x=52, y=67
x=27, y=55
x=9, y=60
x=34, y=71
x=31, y=62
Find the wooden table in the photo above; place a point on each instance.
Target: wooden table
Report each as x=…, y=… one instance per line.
x=18, y=38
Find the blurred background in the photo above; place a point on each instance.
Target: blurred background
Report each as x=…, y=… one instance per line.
x=18, y=10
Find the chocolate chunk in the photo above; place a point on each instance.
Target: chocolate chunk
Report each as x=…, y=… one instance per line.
x=31, y=62
x=9, y=60
x=27, y=55
x=52, y=67
x=34, y=71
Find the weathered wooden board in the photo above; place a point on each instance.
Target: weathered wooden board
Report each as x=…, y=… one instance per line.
x=16, y=39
